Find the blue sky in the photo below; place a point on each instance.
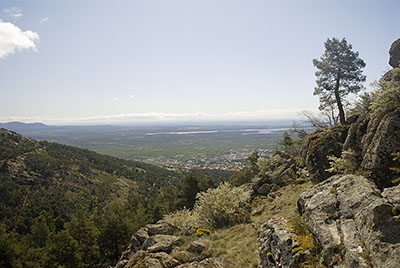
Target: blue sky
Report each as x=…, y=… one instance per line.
x=99, y=61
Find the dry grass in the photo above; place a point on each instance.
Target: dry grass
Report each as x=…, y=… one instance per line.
x=283, y=205
x=237, y=244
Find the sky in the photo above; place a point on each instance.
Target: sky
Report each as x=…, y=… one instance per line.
x=103, y=61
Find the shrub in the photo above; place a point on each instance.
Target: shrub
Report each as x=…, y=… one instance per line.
x=346, y=164
x=388, y=94
x=304, y=238
x=215, y=207
x=186, y=220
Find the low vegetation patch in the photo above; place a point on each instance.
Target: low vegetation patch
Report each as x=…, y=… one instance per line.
x=214, y=208
x=306, y=245
x=284, y=203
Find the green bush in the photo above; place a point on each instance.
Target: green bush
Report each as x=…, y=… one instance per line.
x=186, y=220
x=346, y=164
x=387, y=96
x=215, y=207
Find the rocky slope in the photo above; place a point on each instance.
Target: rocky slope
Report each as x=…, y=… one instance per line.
x=353, y=220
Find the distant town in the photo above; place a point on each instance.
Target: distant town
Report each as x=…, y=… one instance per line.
x=232, y=160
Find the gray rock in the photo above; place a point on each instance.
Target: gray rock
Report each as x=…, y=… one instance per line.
x=352, y=222
x=166, y=260
x=276, y=176
x=161, y=243
x=149, y=260
x=258, y=182
x=196, y=247
x=142, y=234
x=394, y=53
x=392, y=195
x=264, y=189
x=133, y=246
x=319, y=146
x=356, y=131
x=275, y=244
x=378, y=155
x=161, y=227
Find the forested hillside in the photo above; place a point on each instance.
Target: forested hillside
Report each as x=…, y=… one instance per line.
x=59, y=203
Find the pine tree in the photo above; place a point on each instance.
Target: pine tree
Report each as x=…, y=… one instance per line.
x=339, y=74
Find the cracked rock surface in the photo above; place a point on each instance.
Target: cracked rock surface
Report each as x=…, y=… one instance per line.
x=353, y=222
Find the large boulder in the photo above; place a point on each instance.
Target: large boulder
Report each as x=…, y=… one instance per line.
x=355, y=134
x=353, y=224
x=384, y=141
x=319, y=146
x=394, y=53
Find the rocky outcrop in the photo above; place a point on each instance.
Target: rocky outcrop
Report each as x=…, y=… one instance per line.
x=394, y=53
x=151, y=245
x=281, y=170
x=319, y=146
x=277, y=245
x=378, y=153
x=356, y=132
x=353, y=222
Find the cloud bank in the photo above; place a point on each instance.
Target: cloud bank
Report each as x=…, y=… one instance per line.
x=12, y=38
x=159, y=117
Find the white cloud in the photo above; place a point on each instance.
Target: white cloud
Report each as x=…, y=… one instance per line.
x=12, y=14
x=13, y=38
x=126, y=97
x=43, y=20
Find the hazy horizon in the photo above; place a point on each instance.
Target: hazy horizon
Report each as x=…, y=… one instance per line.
x=184, y=123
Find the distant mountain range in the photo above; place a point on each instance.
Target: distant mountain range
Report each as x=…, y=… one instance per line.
x=19, y=126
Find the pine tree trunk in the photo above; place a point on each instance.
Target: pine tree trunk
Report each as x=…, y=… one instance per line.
x=339, y=102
